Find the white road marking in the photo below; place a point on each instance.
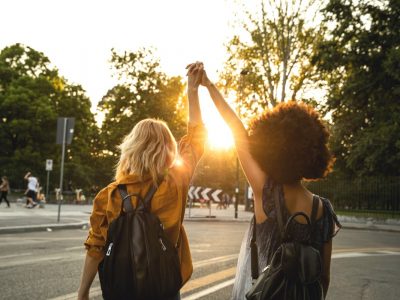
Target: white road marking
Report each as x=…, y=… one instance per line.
x=37, y=258
x=229, y=282
x=349, y=255
x=391, y=252
x=210, y=290
x=213, y=260
x=21, y=240
x=200, y=246
x=75, y=248
x=363, y=254
x=18, y=243
x=200, y=250
x=94, y=292
x=15, y=255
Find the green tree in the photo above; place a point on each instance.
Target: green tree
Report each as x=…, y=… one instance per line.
x=81, y=160
x=27, y=94
x=217, y=169
x=270, y=61
x=32, y=96
x=360, y=59
x=143, y=91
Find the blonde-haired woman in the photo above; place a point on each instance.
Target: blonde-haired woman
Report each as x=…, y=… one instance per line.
x=149, y=155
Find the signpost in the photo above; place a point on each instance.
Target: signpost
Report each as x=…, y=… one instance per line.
x=49, y=167
x=208, y=194
x=237, y=188
x=249, y=197
x=65, y=131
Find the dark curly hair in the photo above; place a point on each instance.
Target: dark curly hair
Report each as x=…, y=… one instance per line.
x=290, y=143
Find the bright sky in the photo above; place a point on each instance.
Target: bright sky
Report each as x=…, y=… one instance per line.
x=77, y=36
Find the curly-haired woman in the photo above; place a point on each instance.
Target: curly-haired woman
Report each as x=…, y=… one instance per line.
x=283, y=147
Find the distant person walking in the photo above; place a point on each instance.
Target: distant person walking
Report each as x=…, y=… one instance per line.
x=32, y=190
x=4, y=188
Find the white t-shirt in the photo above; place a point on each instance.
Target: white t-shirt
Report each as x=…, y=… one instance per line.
x=32, y=183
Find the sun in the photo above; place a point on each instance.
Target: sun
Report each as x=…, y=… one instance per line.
x=219, y=134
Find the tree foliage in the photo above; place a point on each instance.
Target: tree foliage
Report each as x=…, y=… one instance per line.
x=32, y=96
x=143, y=91
x=218, y=169
x=360, y=60
x=271, y=61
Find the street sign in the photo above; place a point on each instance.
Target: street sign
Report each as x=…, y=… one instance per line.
x=65, y=131
x=69, y=130
x=215, y=195
x=249, y=193
x=49, y=165
x=204, y=194
x=208, y=194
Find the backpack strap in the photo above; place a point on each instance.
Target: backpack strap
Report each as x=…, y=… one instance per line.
x=314, y=212
x=178, y=242
x=314, y=209
x=278, y=209
x=254, y=251
x=126, y=198
x=253, y=242
x=148, y=197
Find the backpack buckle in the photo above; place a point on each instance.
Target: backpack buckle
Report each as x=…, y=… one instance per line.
x=109, y=249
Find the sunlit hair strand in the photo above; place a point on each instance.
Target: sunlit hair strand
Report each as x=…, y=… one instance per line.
x=150, y=148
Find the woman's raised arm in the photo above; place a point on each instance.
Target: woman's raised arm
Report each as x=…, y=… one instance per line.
x=191, y=146
x=194, y=78
x=253, y=172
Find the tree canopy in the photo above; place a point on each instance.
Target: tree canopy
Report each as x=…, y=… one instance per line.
x=270, y=62
x=143, y=91
x=32, y=96
x=360, y=59
x=285, y=53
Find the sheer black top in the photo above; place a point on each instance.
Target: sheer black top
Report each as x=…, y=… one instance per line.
x=268, y=239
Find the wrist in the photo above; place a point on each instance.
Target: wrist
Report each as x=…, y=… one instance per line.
x=83, y=293
x=209, y=85
x=193, y=89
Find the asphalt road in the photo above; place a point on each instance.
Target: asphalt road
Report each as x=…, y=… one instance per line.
x=47, y=265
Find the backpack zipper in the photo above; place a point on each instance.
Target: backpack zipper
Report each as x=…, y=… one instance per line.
x=109, y=249
x=162, y=244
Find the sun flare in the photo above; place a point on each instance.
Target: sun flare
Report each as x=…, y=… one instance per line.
x=219, y=134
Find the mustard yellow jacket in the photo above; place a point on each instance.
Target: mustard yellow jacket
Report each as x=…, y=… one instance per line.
x=168, y=203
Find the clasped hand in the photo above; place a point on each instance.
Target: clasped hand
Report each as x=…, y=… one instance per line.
x=197, y=75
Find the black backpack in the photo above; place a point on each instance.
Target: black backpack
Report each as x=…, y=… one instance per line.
x=140, y=262
x=295, y=269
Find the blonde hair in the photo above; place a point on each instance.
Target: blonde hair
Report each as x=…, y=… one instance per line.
x=150, y=148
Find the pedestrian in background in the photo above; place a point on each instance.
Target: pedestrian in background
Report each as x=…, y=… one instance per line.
x=31, y=192
x=4, y=188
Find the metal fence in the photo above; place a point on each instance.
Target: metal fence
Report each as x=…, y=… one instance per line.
x=367, y=193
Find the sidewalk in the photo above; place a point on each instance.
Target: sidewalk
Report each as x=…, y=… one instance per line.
x=20, y=219
x=202, y=214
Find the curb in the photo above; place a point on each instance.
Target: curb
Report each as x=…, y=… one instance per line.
x=371, y=228
x=42, y=227
x=204, y=219
x=214, y=219
x=79, y=225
